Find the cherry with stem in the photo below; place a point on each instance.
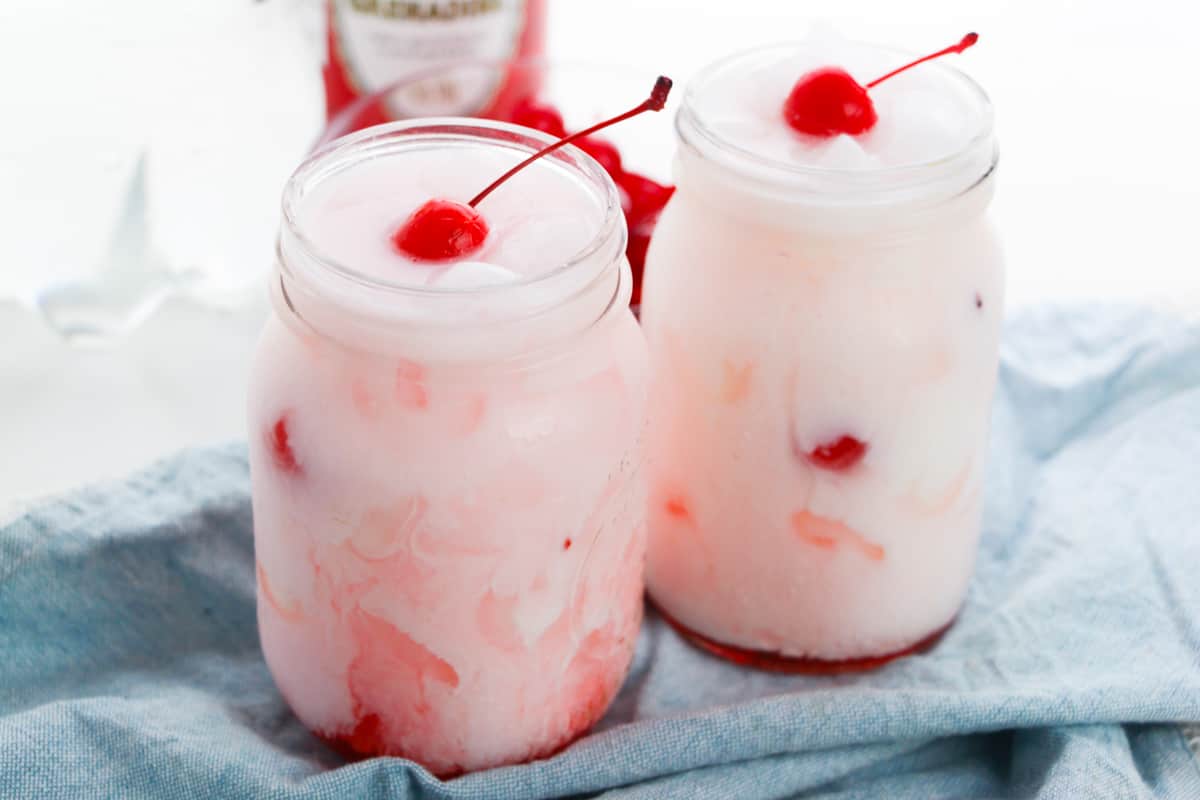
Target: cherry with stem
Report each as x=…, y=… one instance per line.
x=828, y=101
x=442, y=230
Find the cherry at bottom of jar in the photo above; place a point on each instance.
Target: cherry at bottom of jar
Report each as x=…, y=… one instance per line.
x=777, y=662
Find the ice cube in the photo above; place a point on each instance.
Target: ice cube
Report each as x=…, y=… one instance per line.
x=541, y=242
x=473, y=275
x=838, y=152
x=515, y=301
x=916, y=125
x=748, y=133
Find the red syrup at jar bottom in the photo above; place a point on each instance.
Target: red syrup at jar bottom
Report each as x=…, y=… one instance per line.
x=777, y=662
x=353, y=747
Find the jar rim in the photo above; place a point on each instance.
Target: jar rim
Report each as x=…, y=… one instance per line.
x=978, y=153
x=341, y=152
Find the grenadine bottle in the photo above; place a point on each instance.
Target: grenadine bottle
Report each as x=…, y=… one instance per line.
x=371, y=44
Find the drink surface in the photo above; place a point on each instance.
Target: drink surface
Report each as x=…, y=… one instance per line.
x=824, y=360
x=923, y=116
x=537, y=223
x=449, y=550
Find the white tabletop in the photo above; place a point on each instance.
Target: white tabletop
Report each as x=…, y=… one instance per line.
x=1099, y=196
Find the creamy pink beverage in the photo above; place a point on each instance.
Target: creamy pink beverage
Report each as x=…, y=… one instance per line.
x=823, y=311
x=448, y=516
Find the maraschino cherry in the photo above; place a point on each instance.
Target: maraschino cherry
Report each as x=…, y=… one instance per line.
x=838, y=454
x=827, y=101
x=442, y=230
x=539, y=116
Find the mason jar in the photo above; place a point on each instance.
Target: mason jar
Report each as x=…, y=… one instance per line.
x=448, y=509
x=823, y=348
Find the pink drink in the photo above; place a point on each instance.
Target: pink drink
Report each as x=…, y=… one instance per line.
x=449, y=523
x=823, y=318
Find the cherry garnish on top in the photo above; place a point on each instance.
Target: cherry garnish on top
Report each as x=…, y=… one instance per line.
x=441, y=230
x=828, y=101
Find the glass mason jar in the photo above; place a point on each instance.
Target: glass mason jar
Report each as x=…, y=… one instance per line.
x=824, y=348
x=448, y=513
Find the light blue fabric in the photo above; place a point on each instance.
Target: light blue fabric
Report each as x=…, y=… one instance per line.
x=130, y=666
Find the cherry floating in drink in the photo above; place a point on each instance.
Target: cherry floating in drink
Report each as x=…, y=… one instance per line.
x=838, y=454
x=442, y=230
x=828, y=101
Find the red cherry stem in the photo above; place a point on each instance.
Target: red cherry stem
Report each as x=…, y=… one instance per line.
x=967, y=41
x=655, y=102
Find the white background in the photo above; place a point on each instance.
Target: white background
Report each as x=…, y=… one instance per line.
x=1099, y=199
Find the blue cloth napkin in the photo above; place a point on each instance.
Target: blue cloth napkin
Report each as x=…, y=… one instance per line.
x=130, y=665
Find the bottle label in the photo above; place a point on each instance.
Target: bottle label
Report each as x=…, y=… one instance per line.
x=378, y=42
